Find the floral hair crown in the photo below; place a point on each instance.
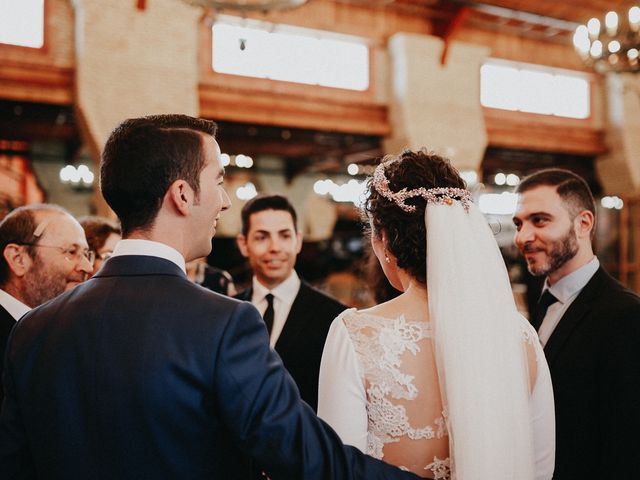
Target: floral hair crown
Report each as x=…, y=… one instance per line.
x=438, y=195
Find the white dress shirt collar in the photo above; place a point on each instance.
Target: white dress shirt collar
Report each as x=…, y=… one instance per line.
x=12, y=305
x=284, y=296
x=151, y=249
x=285, y=292
x=570, y=285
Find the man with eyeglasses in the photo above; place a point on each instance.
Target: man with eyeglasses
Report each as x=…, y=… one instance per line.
x=44, y=253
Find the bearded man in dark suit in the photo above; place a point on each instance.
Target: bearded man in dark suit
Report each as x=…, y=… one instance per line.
x=299, y=316
x=589, y=325
x=138, y=372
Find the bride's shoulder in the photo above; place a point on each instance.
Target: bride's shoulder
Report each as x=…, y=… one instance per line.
x=384, y=312
x=355, y=319
x=354, y=314
x=383, y=315
x=391, y=309
x=403, y=307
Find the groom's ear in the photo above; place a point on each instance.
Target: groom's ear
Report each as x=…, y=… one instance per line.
x=584, y=223
x=180, y=195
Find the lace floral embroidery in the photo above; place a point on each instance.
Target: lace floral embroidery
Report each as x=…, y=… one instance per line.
x=380, y=343
x=441, y=468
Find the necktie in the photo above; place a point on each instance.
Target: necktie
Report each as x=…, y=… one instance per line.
x=268, y=313
x=546, y=300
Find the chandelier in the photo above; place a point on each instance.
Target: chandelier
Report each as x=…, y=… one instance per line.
x=247, y=5
x=612, y=47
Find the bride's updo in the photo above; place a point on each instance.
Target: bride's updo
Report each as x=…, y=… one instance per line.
x=406, y=236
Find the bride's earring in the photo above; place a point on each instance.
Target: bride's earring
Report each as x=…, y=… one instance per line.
x=386, y=258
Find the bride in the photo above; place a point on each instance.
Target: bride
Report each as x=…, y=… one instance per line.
x=447, y=380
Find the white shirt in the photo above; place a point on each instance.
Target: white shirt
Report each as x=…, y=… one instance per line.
x=12, y=305
x=150, y=249
x=283, y=297
x=565, y=290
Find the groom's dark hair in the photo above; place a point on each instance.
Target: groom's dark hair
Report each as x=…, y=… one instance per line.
x=143, y=157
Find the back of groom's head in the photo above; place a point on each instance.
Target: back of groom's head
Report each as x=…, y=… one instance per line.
x=143, y=157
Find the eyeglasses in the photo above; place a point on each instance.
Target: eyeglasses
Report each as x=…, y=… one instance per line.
x=71, y=254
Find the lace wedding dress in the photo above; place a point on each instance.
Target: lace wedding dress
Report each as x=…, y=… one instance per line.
x=379, y=390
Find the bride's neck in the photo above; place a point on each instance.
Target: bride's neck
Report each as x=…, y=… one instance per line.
x=415, y=291
x=412, y=303
x=410, y=285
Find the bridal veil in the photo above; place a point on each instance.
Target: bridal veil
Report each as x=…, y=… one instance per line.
x=480, y=353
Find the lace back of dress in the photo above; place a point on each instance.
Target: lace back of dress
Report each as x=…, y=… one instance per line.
x=407, y=425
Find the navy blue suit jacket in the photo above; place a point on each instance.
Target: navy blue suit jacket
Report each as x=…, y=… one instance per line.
x=140, y=374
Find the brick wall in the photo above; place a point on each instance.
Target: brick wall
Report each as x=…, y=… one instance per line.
x=132, y=62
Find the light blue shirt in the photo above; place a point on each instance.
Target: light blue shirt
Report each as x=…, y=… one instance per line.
x=565, y=290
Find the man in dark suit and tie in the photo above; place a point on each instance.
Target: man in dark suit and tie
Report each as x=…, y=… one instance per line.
x=589, y=325
x=297, y=315
x=138, y=373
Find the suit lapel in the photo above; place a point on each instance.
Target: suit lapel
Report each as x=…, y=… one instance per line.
x=6, y=324
x=296, y=319
x=574, y=315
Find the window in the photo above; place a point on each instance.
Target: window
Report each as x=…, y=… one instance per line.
x=281, y=52
x=22, y=22
x=547, y=91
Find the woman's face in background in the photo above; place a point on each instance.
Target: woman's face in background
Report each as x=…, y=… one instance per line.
x=105, y=251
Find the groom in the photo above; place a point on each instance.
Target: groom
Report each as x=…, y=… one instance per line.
x=138, y=373
x=589, y=326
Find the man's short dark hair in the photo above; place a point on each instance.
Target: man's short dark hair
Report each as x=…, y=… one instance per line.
x=143, y=157
x=571, y=188
x=266, y=202
x=19, y=227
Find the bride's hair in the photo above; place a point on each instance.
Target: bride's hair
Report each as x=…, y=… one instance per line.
x=405, y=230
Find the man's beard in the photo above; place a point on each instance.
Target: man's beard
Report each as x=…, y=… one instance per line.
x=42, y=283
x=560, y=252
